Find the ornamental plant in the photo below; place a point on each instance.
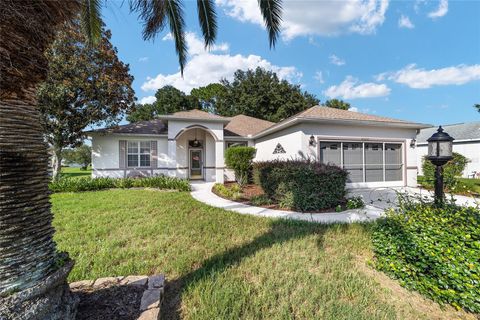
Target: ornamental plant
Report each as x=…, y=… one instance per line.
x=240, y=159
x=303, y=185
x=434, y=251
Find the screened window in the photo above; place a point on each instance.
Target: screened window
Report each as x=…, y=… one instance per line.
x=365, y=161
x=373, y=162
x=138, y=153
x=393, y=162
x=330, y=152
x=353, y=161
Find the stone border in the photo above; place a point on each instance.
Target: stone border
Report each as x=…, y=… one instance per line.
x=152, y=296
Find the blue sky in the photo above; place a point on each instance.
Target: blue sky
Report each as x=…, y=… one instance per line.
x=413, y=60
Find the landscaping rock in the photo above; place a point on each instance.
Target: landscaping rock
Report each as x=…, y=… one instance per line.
x=134, y=280
x=104, y=281
x=156, y=282
x=150, y=314
x=150, y=299
x=81, y=284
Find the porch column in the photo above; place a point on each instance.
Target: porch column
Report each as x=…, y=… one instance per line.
x=172, y=157
x=219, y=161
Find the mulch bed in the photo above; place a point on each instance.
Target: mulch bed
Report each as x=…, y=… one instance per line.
x=109, y=302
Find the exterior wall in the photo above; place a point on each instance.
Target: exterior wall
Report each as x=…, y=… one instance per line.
x=295, y=141
x=289, y=138
x=470, y=149
x=106, y=156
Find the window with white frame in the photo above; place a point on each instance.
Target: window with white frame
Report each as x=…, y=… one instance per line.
x=365, y=161
x=236, y=144
x=138, y=153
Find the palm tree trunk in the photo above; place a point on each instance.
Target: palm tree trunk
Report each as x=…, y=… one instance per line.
x=32, y=279
x=26, y=245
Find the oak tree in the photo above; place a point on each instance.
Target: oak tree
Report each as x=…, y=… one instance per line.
x=85, y=86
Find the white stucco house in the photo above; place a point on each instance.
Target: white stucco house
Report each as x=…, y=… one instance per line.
x=467, y=143
x=376, y=151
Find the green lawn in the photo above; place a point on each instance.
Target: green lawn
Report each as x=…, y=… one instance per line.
x=474, y=184
x=223, y=265
x=71, y=172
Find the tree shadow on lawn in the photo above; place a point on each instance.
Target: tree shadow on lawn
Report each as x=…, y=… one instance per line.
x=281, y=231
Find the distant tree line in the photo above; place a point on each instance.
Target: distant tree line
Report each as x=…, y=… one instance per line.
x=257, y=93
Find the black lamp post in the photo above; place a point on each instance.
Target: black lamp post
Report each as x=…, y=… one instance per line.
x=439, y=153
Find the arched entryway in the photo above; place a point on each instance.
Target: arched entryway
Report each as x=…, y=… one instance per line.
x=199, y=154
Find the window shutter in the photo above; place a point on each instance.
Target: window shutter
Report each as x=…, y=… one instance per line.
x=154, y=152
x=122, y=151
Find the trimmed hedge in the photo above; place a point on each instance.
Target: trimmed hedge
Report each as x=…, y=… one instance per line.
x=95, y=184
x=433, y=251
x=303, y=185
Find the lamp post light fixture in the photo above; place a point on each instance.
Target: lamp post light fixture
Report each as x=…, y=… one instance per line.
x=439, y=153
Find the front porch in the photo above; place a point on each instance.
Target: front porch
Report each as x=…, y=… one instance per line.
x=196, y=151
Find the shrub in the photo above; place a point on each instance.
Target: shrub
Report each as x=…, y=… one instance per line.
x=451, y=171
x=240, y=160
x=233, y=192
x=261, y=200
x=355, y=203
x=431, y=250
x=95, y=184
x=302, y=185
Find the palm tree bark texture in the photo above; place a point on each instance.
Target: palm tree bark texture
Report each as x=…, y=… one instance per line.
x=32, y=275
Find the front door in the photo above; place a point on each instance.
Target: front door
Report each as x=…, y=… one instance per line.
x=196, y=164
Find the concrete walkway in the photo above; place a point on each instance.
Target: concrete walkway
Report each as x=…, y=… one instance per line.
x=202, y=192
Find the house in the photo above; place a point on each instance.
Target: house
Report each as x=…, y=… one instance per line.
x=467, y=143
x=376, y=151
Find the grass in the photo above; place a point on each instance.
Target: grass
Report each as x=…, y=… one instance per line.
x=73, y=172
x=473, y=184
x=222, y=265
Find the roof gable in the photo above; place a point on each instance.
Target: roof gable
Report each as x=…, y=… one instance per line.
x=244, y=126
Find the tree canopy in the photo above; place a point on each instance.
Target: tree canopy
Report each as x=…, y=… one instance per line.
x=337, y=104
x=477, y=106
x=81, y=155
x=85, y=86
x=261, y=94
x=168, y=100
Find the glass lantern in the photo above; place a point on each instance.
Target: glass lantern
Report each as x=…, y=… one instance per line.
x=440, y=147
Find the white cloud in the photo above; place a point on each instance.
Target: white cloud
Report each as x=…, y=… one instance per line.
x=336, y=60
x=404, y=22
x=354, y=109
x=350, y=88
x=325, y=18
x=420, y=78
x=440, y=11
x=319, y=77
x=143, y=59
x=205, y=67
x=197, y=46
x=149, y=99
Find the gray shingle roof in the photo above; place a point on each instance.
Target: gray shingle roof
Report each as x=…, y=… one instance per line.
x=459, y=131
x=141, y=127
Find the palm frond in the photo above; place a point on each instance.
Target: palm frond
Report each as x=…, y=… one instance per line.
x=272, y=15
x=91, y=20
x=208, y=20
x=152, y=14
x=174, y=12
